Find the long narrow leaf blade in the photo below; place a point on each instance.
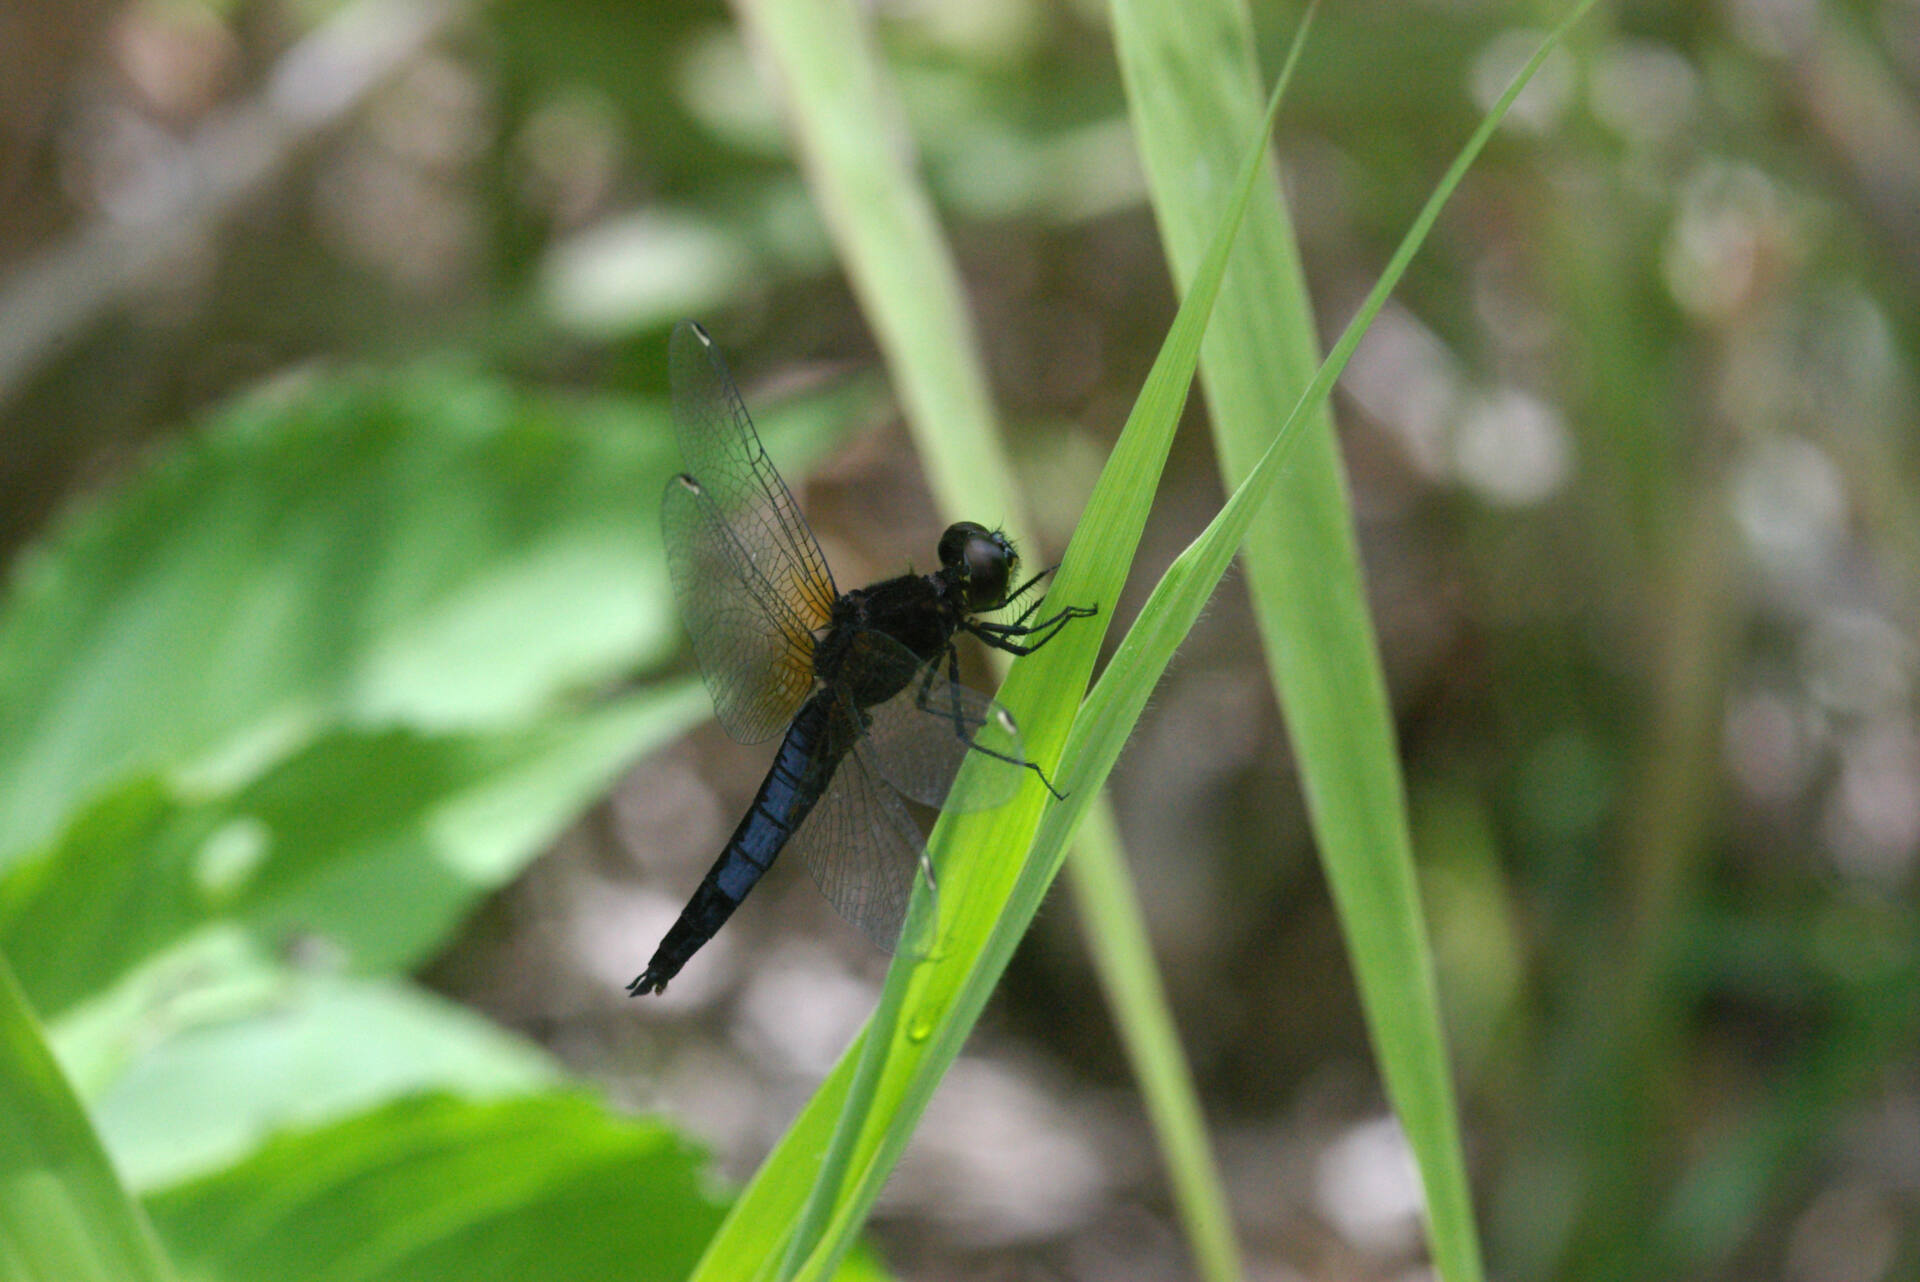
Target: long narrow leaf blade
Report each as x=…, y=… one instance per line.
x=1116, y=929
x=883, y=225
x=942, y=999
x=1184, y=74
x=978, y=929
x=64, y=1216
x=1303, y=566
x=834, y=89
x=1378, y=898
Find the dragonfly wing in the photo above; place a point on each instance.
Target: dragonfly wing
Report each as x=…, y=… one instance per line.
x=755, y=653
x=748, y=576
x=920, y=737
x=860, y=844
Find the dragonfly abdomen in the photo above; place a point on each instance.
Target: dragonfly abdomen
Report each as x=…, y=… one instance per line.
x=787, y=795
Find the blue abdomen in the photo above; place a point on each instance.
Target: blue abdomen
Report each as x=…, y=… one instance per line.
x=799, y=775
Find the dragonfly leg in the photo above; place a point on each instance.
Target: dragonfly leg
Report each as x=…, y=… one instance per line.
x=953, y=692
x=1001, y=636
x=1019, y=629
x=1025, y=588
x=959, y=722
x=1021, y=619
x=923, y=698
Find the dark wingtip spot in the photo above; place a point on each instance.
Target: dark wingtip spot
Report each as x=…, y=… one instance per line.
x=700, y=332
x=687, y=483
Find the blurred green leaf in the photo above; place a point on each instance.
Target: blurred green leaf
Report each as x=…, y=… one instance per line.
x=86, y=901
x=370, y=550
x=430, y=549
x=380, y=843
x=552, y=1186
x=63, y=1215
x=842, y=110
x=548, y=1187
x=205, y=1087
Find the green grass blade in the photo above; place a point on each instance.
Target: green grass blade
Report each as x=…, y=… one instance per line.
x=754, y=1240
x=982, y=914
x=847, y=128
x=1302, y=564
x=63, y=1215
x=885, y=231
x=1110, y=909
x=882, y=224
x=980, y=854
x=1118, y=944
x=1375, y=887
x=1123, y=959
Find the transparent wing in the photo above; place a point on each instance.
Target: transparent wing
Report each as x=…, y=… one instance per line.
x=859, y=842
x=757, y=662
x=918, y=739
x=861, y=845
x=748, y=576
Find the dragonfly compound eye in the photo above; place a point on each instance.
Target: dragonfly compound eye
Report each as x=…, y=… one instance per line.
x=990, y=562
x=984, y=561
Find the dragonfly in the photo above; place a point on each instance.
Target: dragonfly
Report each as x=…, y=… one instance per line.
x=862, y=686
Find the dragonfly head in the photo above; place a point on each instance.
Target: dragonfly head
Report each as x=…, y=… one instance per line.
x=980, y=562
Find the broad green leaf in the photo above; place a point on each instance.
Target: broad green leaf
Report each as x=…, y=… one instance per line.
x=379, y=843
x=205, y=1077
x=546, y=1187
x=63, y=1214
x=68, y=916
x=431, y=549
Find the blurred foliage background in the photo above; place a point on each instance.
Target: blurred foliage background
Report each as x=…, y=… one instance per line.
x=335, y=646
